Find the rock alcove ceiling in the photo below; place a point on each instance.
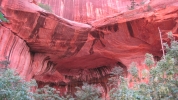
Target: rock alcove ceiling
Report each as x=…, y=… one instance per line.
x=82, y=39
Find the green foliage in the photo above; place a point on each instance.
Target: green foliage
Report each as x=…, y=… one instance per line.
x=170, y=36
x=115, y=73
x=88, y=92
x=149, y=60
x=133, y=70
x=145, y=73
x=12, y=87
x=121, y=92
x=172, y=51
x=163, y=79
x=45, y=7
x=2, y=18
x=48, y=93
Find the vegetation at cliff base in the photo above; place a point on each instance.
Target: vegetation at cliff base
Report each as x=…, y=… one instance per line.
x=13, y=87
x=88, y=92
x=162, y=79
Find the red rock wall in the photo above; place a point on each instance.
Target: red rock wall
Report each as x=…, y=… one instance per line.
x=26, y=63
x=15, y=50
x=87, y=10
x=62, y=52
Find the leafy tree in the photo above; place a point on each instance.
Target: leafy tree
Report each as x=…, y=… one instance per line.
x=149, y=60
x=88, y=92
x=13, y=87
x=133, y=70
x=122, y=91
x=163, y=79
x=49, y=93
x=115, y=73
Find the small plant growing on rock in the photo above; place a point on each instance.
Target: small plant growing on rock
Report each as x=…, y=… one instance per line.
x=45, y=7
x=2, y=18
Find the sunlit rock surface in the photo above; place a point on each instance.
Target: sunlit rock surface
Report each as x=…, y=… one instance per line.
x=88, y=10
x=82, y=39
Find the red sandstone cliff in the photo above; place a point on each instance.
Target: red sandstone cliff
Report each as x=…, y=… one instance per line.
x=61, y=51
x=88, y=10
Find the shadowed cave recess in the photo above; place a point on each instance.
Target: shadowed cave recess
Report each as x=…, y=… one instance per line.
x=82, y=40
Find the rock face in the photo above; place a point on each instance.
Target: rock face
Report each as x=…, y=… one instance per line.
x=68, y=49
x=87, y=10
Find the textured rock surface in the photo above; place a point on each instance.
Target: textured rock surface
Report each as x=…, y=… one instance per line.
x=14, y=50
x=62, y=52
x=88, y=10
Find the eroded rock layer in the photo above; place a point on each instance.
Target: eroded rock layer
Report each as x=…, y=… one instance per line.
x=62, y=52
x=88, y=10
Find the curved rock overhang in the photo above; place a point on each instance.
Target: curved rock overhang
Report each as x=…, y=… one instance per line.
x=62, y=52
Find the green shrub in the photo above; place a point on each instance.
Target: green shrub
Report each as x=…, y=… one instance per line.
x=149, y=60
x=115, y=73
x=2, y=18
x=88, y=92
x=45, y=7
x=133, y=70
x=49, y=93
x=163, y=79
x=13, y=87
